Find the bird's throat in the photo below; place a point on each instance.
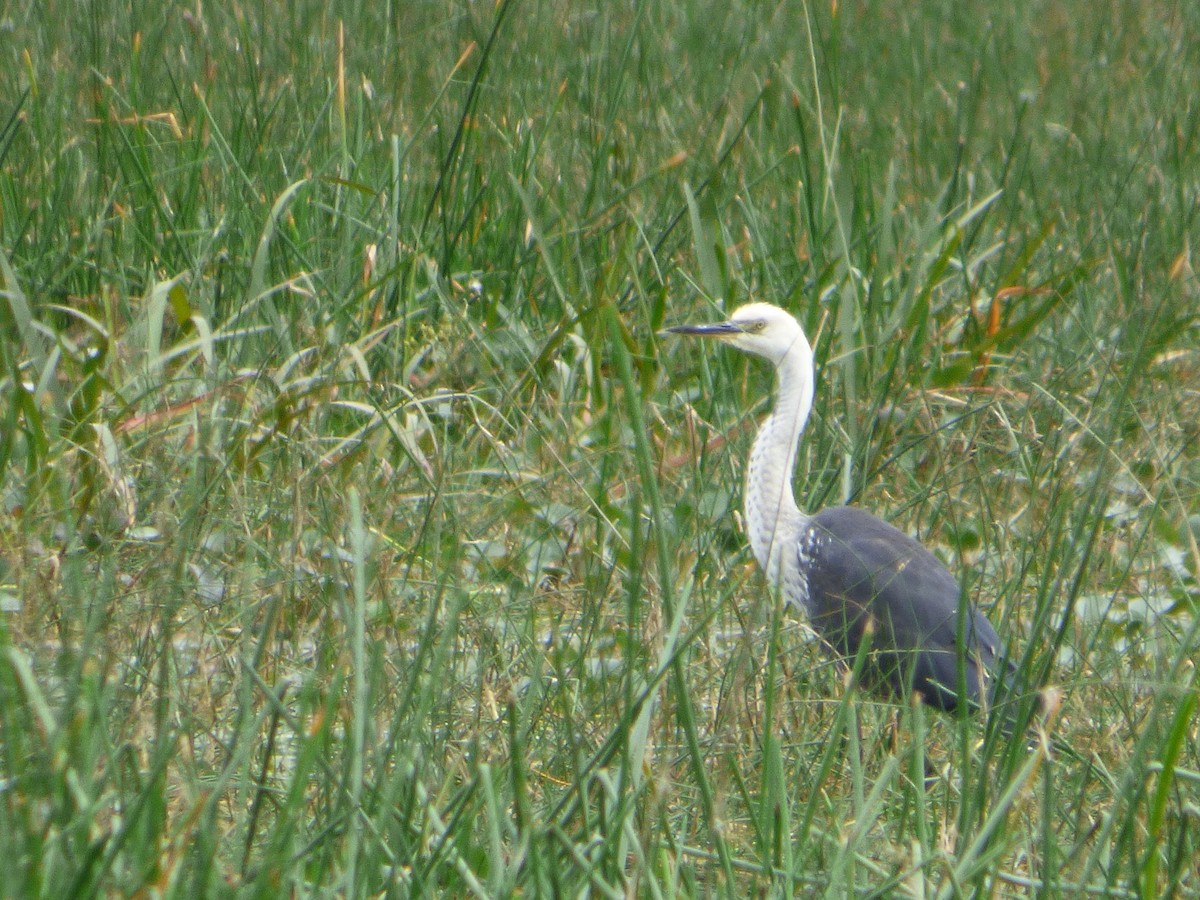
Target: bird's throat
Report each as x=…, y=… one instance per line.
x=773, y=520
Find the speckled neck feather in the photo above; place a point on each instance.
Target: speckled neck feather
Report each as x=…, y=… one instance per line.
x=773, y=520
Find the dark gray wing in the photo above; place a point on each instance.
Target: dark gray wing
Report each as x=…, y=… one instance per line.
x=866, y=578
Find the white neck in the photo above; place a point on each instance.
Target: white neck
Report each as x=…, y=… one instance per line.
x=773, y=519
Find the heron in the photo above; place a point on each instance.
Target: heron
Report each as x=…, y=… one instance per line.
x=867, y=587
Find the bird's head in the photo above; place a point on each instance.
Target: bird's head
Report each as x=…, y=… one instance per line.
x=758, y=328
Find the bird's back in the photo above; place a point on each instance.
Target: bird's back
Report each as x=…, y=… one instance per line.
x=867, y=578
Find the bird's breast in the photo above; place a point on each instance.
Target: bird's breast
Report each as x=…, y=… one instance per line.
x=807, y=549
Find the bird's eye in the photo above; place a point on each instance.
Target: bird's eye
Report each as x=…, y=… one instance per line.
x=757, y=325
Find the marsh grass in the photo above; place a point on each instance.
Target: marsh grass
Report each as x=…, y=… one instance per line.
x=360, y=536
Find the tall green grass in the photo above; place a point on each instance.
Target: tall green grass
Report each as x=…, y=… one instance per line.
x=360, y=537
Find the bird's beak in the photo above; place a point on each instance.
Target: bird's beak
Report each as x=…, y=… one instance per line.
x=716, y=329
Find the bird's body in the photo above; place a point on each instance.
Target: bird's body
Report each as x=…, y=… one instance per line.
x=858, y=578
x=865, y=577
